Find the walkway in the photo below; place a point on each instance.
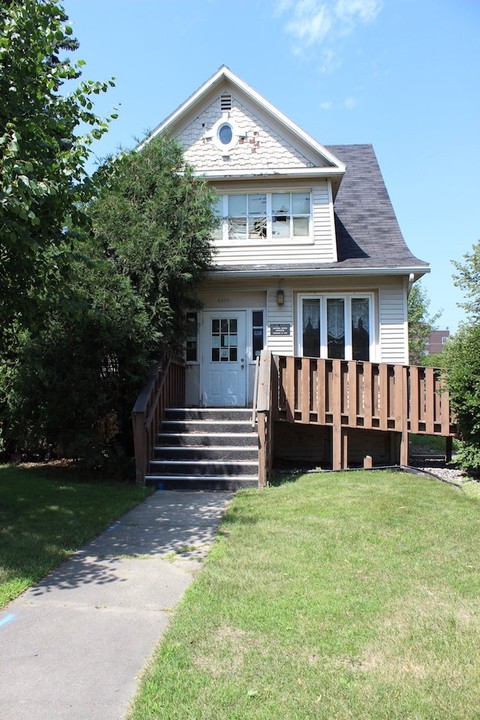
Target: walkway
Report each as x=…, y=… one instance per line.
x=73, y=646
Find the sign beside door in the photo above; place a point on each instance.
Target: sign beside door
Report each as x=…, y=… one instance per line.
x=223, y=359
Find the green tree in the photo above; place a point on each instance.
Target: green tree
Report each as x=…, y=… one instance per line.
x=153, y=219
x=43, y=181
x=420, y=323
x=71, y=381
x=462, y=360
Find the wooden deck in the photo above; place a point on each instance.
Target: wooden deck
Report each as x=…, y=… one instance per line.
x=347, y=395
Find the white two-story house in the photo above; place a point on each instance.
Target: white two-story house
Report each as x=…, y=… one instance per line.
x=309, y=262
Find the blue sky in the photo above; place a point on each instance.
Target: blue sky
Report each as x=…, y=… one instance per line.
x=400, y=74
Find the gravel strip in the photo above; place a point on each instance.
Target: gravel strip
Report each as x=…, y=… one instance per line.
x=438, y=467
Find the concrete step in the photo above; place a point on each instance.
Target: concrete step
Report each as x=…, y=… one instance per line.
x=222, y=468
x=205, y=452
x=209, y=448
x=204, y=439
x=207, y=426
x=244, y=414
x=204, y=482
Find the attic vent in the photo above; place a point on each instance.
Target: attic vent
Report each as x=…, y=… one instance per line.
x=225, y=102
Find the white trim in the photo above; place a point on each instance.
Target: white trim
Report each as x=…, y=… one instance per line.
x=271, y=172
x=347, y=296
x=315, y=272
x=332, y=220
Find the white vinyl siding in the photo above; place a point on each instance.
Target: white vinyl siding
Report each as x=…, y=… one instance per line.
x=324, y=223
x=280, y=344
x=393, y=324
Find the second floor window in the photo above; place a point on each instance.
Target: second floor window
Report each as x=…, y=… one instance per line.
x=263, y=216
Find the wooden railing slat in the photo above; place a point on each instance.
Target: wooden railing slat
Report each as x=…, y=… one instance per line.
x=165, y=387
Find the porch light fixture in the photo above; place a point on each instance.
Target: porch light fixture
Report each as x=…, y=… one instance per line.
x=280, y=297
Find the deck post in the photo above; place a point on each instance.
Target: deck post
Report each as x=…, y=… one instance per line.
x=140, y=445
x=262, y=449
x=448, y=448
x=337, y=438
x=404, y=419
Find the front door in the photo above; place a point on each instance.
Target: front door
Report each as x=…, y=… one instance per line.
x=223, y=359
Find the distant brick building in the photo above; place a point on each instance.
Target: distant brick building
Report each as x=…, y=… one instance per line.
x=436, y=341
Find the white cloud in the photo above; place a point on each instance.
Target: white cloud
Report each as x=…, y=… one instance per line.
x=350, y=103
x=321, y=22
x=326, y=105
x=312, y=21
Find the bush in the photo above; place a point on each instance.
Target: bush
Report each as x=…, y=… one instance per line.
x=462, y=360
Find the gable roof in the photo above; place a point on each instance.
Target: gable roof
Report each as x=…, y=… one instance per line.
x=369, y=239
x=216, y=83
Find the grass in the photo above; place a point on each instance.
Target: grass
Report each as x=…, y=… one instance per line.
x=45, y=515
x=339, y=596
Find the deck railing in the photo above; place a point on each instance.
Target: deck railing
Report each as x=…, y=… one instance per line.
x=165, y=388
x=355, y=394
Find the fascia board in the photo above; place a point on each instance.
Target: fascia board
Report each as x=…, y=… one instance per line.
x=305, y=272
x=271, y=172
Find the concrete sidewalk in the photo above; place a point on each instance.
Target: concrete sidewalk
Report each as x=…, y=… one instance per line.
x=73, y=646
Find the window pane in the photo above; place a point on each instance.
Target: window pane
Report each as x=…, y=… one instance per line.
x=281, y=203
x=257, y=204
x=237, y=228
x=300, y=203
x=257, y=332
x=360, y=329
x=237, y=205
x=300, y=227
x=218, y=206
x=191, y=336
x=225, y=134
x=257, y=318
x=311, y=328
x=257, y=228
x=281, y=226
x=336, y=328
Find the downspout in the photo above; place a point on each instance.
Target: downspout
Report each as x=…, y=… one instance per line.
x=411, y=280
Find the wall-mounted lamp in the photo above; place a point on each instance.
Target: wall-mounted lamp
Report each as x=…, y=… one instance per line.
x=280, y=297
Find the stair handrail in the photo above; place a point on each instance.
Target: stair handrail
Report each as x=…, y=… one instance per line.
x=164, y=388
x=263, y=404
x=255, y=392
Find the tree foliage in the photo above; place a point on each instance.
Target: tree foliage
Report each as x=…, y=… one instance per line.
x=43, y=152
x=71, y=382
x=462, y=360
x=153, y=219
x=420, y=323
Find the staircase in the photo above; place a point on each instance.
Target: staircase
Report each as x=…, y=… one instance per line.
x=205, y=449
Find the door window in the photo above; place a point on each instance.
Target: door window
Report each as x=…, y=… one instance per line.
x=224, y=340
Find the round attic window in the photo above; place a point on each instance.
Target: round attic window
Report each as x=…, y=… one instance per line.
x=225, y=134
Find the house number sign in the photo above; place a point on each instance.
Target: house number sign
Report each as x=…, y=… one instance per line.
x=280, y=328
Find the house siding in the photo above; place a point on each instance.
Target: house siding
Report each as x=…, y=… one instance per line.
x=280, y=344
x=263, y=147
x=393, y=324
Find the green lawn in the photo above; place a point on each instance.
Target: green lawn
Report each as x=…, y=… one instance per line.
x=339, y=596
x=47, y=514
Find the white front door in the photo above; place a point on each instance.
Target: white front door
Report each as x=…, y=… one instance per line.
x=223, y=359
